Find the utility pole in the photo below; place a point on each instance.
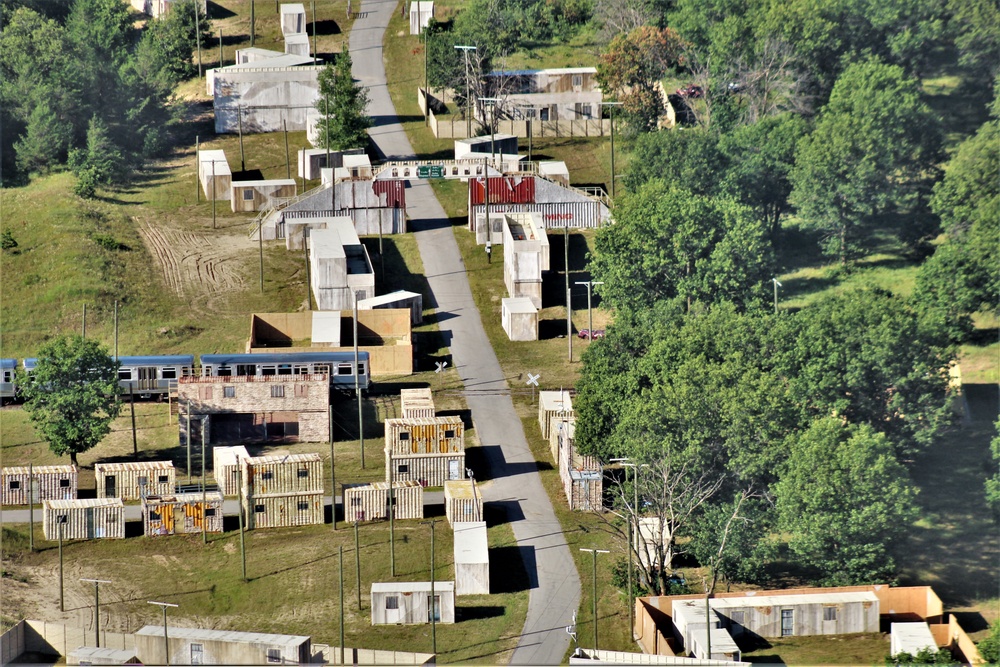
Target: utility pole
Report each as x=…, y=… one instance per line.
x=260, y=244
x=776, y=286
x=197, y=173
x=468, y=100
x=357, y=561
x=288, y=164
x=595, y=552
x=708, y=622
x=221, y=61
x=333, y=475
x=131, y=407
x=31, y=507
x=187, y=429
x=309, y=295
x=427, y=92
x=569, y=294
x=314, y=39
x=213, y=184
x=612, y=114
x=253, y=21
x=341, y=550
x=392, y=522
x=116, y=330
x=84, y=334
x=166, y=639
x=97, y=608
x=62, y=596
x=590, y=310
x=197, y=32
x=243, y=546
x=204, y=499
x=239, y=118
x=357, y=386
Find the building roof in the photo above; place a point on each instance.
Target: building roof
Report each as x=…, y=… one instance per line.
x=164, y=360
x=424, y=421
x=692, y=611
x=913, y=637
x=105, y=655
x=421, y=6
x=789, y=600
x=392, y=297
x=227, y=456
x=133, y=465
x=382, y=486
x=263, y=53
x=489, y=138
x=282, y=358
x=293, y=8
x=40, y=470
x=411, y=586
x=558, y=401
x=287, y=458
x=361, y=160
x=519, y=305
x=270, y=640
x=297, y=38
x=283, y=60
x=554, y=70
x=471, y=542
x=183, y=498
x=461, y=488
x=82, y=502
x=8, y=363
x=257, y=184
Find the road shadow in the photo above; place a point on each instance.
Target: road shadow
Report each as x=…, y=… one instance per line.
x=477, y=613
x=494, y=466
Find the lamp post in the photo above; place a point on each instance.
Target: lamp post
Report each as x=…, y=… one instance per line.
x=97, y=607
x=166, y=639
x=777, y=284
x=590, y=310
x=612, y=105
x=595, y=552
x=468, y=118
x=493, y=121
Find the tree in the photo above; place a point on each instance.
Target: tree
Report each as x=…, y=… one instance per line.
x=872, y=153
x=989, y=647
x=342, y=105
x=993, y=491
x=976, y=27
x=165, y=52
x=732, y=538
x=631, y=68
x=690, y=159
x=72, y=395
x=924, y=656
x=100, y=163
x=44, y=141
x=846, y=502
x=669, y=243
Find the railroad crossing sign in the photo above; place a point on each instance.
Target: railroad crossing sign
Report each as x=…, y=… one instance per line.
x=533, y=382
x=430, y=171
x=441, y=365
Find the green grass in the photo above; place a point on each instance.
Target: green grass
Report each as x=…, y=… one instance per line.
x=855, y=649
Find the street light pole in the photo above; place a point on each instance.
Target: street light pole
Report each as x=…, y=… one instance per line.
x=612, y=105
x=166, y=639
x=590, y=310
x=777, y=284
x=468, y=100
x=595, y=552
x=97, y=607
x=434, y=607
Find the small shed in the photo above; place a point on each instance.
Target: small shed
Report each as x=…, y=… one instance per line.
x=249, y=196
x=723, y=646
x=409, y=602
x=463, y=502
x=84, y=519
x=911, y=638
x=284, y=510
x=133, y=480
x=293, y=18
x=91, y=655
x=416, y=403
x=297, y=44
x=426, y=469
x=421, y=13
x=472, y=558
x=358, y=166
x=370, y=502
x=496, y=144
x=196, y=646
x=519, y=318
x=554, y=171
x=214, y=174
x=226, y=465
x=181, y=513
x=553, y=406
x=425, y=435
x=21, y=483
x=397, y=299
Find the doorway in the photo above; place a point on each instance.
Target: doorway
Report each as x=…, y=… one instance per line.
x=787, y=622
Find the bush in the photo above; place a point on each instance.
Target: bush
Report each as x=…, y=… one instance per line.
x=989, y=648
x=86, y=184
x=7, y=241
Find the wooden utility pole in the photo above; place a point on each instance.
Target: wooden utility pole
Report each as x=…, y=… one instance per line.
x=131, y=405
x=116, y=331
x=341, y=550
x=288, y=164
x=333, y=475
x=222, y=62
x=239, y=119
x=357, y=385
x=84, y=334
x=197, y=169
x=204, y=500
x=31, y=507
x=197, y=32
x=253, y=21
x=357, y=561
x=243, y=546
x=62, y=595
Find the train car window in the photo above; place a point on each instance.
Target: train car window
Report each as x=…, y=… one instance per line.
x=185, y=371
x=299, y=369
x=168, y=373
x=449, y=434
x=124, y=373
x=246, y=369
x=224, y=371
x=322, y=369
x=343, y=369
x=284, y=369
x=361, y=368
x=206, y=371
x=268, y=370
x=8, y=376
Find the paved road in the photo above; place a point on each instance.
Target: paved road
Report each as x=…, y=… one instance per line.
x=555, y=592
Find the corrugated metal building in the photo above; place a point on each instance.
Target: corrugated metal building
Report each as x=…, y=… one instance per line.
x=282, y=491
x=463, y=501
x=472, y=558
x=181, y=513
x=227, y=467
x=558, y=205
x=428, y=450
x=50, y=483
x=84, y=519
x=553, y=406
x=194, y=646
x=409, y=602
x=132, y=481
x=370, y=502
x=416, y=403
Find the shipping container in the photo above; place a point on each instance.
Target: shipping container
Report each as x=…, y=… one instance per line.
x=182, y=513
x=463, y=502
x=425, y=435
x=85, y=519
x=553, y=405
x=582, y=476
x=426, y=469
x=416, y=403
x=132, y=481
x=409, y=602
x=227, y=465
x=283, y=510
x=572, y=214
x=472, y=558
x=560, y=427
x=49, y=483
x=370, y=502
x=294, y=473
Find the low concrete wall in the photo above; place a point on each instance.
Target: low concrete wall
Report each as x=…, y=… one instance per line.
x=366, y=656
x=55, y=639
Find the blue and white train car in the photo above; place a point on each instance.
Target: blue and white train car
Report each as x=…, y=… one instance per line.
x=7, y=388
x=338, y=365
x=152, y=375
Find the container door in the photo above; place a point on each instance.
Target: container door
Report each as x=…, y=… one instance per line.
x=787, y=622
x=110, y=487
x=453, y=472
x=147, y=378
x=434, y=608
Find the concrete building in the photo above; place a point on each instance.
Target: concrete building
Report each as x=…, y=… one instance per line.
x=421, y=13
x=472, y=558
x=311, y=160
x=339, y=266
x=358, y=166
x=269, y=93
x=253, y=54
x=570, y=93
x=409, y=602
x=554, y=171
x=398, y=299
x=428, y=450
x=282, y=491
x=181, y=513
x=370, y=502
x=554, y=407
x=525, y=255
x=489, y=145
x=227, y=468
x=215, y=175
x=133, y=480
x=84, y=519
x=559, y=206
x=297, y=44
x=23, y=485
x=297, y=228
x=519, y=318
x=91, y=655
x=194, y=646
x=240, y=408
x=293, y=19
x=911, y=638
x=371, y=205
x=249, y=196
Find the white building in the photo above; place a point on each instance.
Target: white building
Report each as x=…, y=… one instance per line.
x=339, y=266
x=271, y=93
x=421, y=13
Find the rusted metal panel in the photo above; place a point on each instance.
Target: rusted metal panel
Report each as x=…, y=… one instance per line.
x=463, y=501
x=131, y=481
x=575, y=215
x=283, y=510
x=370, y=502
x=391, y=193
x=84, y=519
x=182, y=513
x=503, y=190
x=416, y=403
x=49, y=483
x=425, y=435
x=426, y=469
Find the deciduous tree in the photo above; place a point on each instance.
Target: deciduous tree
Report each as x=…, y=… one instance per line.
x=342, y=106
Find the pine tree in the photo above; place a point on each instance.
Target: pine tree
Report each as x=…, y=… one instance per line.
x=44, y=141
x=341, y=105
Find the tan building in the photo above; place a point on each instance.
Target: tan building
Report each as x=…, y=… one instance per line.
x=181, y=513
x=83, y=519
x=37, y=483
x=568, y=93
x=133, y=480
x=370, y=502
x=286, y=408
x=525, y=255
x=282, y=491
x=428, y=450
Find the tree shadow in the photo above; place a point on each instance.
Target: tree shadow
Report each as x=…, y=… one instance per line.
x=512, y=569
x=324, y=27
x=217, y=11
x=464, y=613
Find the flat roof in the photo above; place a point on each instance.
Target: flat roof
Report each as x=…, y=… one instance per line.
x=280, y=358
x=82, y=502
x=225, y=456
x=286, y=458
x=912, y=637
x=161, y=360
x=692, y=611
x=266, y=53
x=293, y=8
x=357, y=161
x=485, y=140
x=297, y=38
x=471, y=542
x=461, y=488
x=185, y=498
x=382, y=486
x=411, y=586
x=424, y=421
x=325, y=244
x=121, y=656
x=273, y=181
x=788, y=600
x=283, y=60
x=40, y=470
x=8, y=363
x=559, y=401
x=519, y=304
x=134, y=465
x=392, y=297
x=224, y=636
x=554, y=70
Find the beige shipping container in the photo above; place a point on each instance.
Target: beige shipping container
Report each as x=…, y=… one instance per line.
x=182, y=513
x=50, y=483
x=283, y=510
x=86, y=519
x=561, y=428
x=416, y=403
x=426, y=469
x=425, y=435
x=462, y=501
x=227, y=466
x=131, y=481
x=370, y=502
x=553, y=405
x=294, y=473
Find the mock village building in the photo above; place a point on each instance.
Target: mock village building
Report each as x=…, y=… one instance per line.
x=282, y=491
x=37, y=483
x=428, y=450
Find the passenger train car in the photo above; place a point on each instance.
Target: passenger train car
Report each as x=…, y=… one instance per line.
x=145, y=376
x=7, y=367
x=339, y=366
